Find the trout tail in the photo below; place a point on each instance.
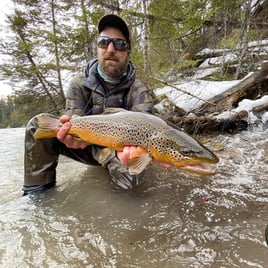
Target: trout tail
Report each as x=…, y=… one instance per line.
x=47, y=127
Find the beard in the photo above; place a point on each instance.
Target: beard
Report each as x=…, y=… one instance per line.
x=112, y=66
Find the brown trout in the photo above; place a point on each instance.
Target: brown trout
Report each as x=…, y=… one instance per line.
x=156, y=139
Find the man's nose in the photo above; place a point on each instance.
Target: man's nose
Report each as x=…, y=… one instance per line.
x=110, y=47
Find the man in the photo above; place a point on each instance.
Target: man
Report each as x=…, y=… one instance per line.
x=109, y=81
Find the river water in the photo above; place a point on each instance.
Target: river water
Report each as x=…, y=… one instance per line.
x=174, y=219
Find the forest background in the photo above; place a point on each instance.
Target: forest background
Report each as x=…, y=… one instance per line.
x=48, y=41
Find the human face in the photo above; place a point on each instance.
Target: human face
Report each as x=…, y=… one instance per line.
x=113, y=62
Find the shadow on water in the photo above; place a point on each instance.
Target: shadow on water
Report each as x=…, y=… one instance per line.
x=173, y=219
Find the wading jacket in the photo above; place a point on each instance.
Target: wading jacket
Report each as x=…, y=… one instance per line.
x=87, y=93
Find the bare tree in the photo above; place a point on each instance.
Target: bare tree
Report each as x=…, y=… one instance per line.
x=146, y=37
x=244, y=35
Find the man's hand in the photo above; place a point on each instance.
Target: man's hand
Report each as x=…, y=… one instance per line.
x=67, y=139
x=125, y=156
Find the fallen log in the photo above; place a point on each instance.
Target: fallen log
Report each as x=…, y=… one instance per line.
x=209, y=124
x=260, y=108
x=251, y=87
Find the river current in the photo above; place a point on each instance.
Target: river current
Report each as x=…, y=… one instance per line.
x=173, y=219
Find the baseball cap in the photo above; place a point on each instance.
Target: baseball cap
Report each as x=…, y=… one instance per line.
x=116, y=22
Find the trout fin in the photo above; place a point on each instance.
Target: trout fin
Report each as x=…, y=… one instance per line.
x=139, y=161
x=47, y=127
x=105, y=156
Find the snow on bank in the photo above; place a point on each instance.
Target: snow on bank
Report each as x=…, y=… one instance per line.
x=199, y=92
x=205, y=68
x=190, y=95
x=248, y=105
x=261, y=46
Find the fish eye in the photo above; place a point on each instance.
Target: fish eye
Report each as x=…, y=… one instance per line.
x=188, y=152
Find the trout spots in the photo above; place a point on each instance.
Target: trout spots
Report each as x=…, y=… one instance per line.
x=165, y=147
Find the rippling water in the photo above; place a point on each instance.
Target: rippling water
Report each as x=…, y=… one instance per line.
x=173, y=219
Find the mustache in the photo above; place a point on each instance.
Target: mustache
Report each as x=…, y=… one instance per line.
x=111, y=57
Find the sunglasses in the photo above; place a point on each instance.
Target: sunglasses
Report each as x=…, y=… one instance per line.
x=119, y=44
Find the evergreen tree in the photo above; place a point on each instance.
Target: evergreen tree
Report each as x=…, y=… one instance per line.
x=46, y=47
x=174, y=30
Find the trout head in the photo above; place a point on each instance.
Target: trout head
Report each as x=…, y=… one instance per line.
x=183, y=151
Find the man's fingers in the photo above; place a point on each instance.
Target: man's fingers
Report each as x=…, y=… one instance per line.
x=129, y=151
x=63, y=131
x=65, y=118
x=124, y=155
x=67, y=139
